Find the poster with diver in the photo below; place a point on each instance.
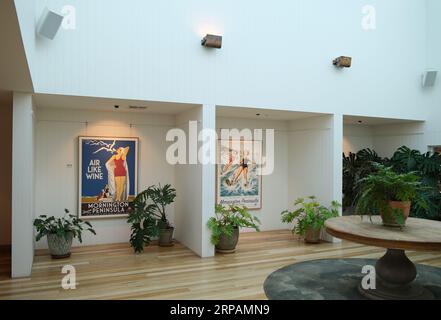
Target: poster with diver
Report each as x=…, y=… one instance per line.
x=238, y=176
x=108, y=176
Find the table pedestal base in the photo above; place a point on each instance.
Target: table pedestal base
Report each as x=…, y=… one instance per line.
x=395, y=275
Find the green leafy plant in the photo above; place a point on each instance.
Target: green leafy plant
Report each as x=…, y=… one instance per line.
x=161, y=197
x=405, y=160
x=62, y=226
x=356, y=166
x=385, y=185
x=427, y=165
x=148, y=215
x=228, y=219
x=309, y=214
x=143, y=222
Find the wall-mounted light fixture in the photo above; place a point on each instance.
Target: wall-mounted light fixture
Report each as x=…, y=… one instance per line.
x=342, y=62
x=49, y=24
x=212, y=41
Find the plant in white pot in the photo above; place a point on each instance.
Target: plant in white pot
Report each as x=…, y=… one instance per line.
x=60, y=232
x=309, y=217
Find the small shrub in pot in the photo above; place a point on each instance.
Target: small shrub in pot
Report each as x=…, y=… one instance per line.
x=226, y=224
x=60, y=232
x=390, y=195
x=309, y=217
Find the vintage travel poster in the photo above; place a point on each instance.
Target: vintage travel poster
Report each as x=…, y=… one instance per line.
x=238, y=176
x=107, y=176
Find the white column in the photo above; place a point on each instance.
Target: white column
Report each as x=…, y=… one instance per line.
x=337, y=141
x=22, y=185
x=195, y=184
x=337, y=164
x=208, y=182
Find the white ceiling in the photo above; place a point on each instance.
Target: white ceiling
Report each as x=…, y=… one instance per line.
x=154, y=107
x=259, y=113
x=371, y=121
x=107, y=104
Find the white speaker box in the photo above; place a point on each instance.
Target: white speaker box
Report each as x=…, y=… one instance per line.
x=429, y=78
x=49, y=24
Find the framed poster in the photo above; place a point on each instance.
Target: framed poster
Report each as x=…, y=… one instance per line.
x=238, y=174
x=108, y=172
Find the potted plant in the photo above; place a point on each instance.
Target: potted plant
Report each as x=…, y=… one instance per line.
x=161, y=197
x=389, y=194
x=60, y=232
x=310, y=217
x=225, y=226
x=143, y=222
x=148, y=217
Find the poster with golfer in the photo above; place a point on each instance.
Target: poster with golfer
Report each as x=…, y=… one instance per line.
x=107, y=176
x=238, y=176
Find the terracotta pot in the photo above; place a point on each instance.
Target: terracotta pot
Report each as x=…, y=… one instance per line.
x=312, y=236
x=59, y=247
x=166, y=237
x=228, y=244
x=387, y=217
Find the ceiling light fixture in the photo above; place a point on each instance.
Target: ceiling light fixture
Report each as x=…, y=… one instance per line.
x=212, y=41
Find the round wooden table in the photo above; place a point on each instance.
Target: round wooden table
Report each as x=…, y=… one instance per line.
x=395, y=273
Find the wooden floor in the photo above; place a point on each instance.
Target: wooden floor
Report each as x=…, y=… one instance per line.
x=115, y=272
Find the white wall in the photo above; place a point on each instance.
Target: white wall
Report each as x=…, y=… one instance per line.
x=275, y=186
x=310, y=159
x=433, y=25
x=57, y=161
x=306, y=163
x=388, y=138
x=357, y=137
x=315, y=166
x=267, y=59
x=433, y=129
x=23, y=124
x=195, y=186
x=208, y=177
x=384, y=139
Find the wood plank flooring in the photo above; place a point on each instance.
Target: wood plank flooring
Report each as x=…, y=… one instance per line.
x=115, y=272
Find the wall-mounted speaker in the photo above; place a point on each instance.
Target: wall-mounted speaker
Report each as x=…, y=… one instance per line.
x=49, y=24
x=429, y=78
